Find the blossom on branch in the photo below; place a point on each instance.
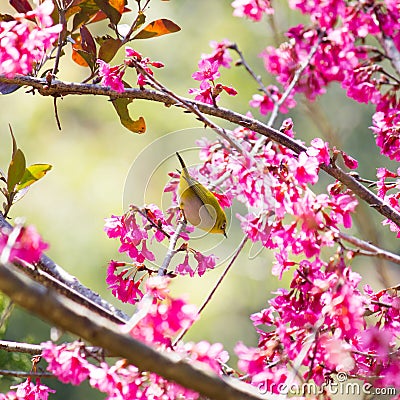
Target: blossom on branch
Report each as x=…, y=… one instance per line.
x=22, y=244
x=25, y=40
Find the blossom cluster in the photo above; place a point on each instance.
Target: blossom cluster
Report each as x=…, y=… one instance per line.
x=209, y=65
x=71, y=362
x=324, y=303
x=22, y=244
x=337, y=32
x=325, y=309
x=25, y=39
x=112, y=76
x=135, y=230
x=388, y=185
x=252, y=9
x=28, y=390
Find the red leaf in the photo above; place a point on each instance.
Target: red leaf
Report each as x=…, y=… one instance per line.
x=158, y=28
x=22, y=6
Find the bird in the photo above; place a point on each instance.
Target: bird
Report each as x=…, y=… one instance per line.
x=198, y=204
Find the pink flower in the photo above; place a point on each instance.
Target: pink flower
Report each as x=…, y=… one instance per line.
x=204, y=262
x=203, y=95
x=67, y=361
x=320, y=150
x=211, y=355
x=305, y=169
x=361, y=85
x=228, y=89
x=29, y=391
x=166, y=317
x=28, y=246
x=378, y=341
x=184, y=268
x=252, y=9
x=132, y=57
x=266, y=103
x=120, y=381
x=122, y=286
x=349, y=161
x=111, y=76
x=23, y=43
x=207, y=71
x=386, y=127
x=220, y=55
x=337, y=353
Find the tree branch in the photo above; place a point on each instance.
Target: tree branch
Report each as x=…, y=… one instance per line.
x=58, y=88
x=23, y=374
x=373, y=251
x=66, y=314
x=16, y=347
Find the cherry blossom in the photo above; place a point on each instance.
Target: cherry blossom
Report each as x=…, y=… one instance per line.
x=25, y=39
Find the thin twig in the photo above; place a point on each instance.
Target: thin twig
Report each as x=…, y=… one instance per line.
x=371, y=250
x=243, y=62
x=216, y=286
x=56, y=113
x=23, y=374
x=6, y=313
x=294, y=81
x=61, y=36
x=171, y=248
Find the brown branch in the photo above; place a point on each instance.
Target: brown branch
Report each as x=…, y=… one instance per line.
x=64, y=313
x=373, y=251
x=16, y=347
x=56, y=113
x=23, y=374
x=62, y=88
x=242, y=61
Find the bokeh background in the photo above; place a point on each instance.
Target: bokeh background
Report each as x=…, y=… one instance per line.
x=94, y=154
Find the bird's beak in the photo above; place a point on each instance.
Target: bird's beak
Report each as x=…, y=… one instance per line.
x=225, y=235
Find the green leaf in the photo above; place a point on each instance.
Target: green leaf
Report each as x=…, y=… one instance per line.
x=32, y=174
x=121, y=106
x=141, y=19
x=14, y=142
x=16, y=170
x=112, y=13
x=108, y=48
x=156, y=28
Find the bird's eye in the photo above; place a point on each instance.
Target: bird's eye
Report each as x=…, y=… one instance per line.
x=223, y=226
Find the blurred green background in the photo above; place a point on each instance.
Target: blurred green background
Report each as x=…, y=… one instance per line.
x=93, y=154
